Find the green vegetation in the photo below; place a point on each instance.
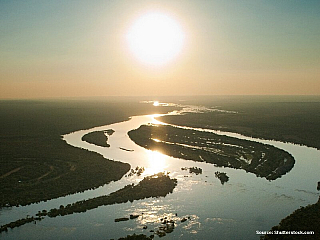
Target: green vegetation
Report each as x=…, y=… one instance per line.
x=304, y=219
x=137, y=237
x=261, y=159
x=97, y=138
x=222, y=176
x=58, y=174
x=284, y=118
x=195, y=170
x=158, y=185
x=36, y=164
x=137, y=171
x=166, y=225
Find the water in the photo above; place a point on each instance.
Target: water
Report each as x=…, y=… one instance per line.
x=235, y=210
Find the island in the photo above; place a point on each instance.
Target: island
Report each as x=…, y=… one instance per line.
x=263, y=160
x=222, y=176
x=157, y=185
x=98, y=138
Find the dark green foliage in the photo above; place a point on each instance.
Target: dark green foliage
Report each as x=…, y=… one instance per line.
x=293, y=119
x=97, y=138
x=58, y=174
x=261, y=159
x=36, y=164
x=303, y=219
x=222, y=176
x=121, y=219
x=136, y=237
x=195, y=170
x=19, y=223
x=158, y=185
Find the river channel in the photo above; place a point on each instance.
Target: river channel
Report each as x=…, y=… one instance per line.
x=233, y=210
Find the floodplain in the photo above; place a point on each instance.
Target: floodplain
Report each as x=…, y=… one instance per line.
x=233, y=180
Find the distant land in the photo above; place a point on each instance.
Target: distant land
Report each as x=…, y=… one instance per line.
x=292, y=119
x=38, y=165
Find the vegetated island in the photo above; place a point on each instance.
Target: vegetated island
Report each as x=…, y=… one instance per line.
x=137, y=171
x=261, y=159
x=195, y=170
x=305, y=219
x=158, y=185
x=222, y=176
x=97, y=138
x=166, y=225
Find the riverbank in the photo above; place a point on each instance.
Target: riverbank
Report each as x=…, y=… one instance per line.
x=282, y=118
x=242, y=204
x=263, y=160
x=305, y=222
x=37, y=165
x=158, y=185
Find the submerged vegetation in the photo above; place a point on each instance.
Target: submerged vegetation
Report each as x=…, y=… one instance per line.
x=165, y=225
x=158, y=185
x=137, y=171
x=263, y=160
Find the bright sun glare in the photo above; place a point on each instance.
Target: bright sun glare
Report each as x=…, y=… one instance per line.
x=156, y=162
x=155, y=38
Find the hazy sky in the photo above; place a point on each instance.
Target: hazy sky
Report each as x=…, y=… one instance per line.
x=79, y=48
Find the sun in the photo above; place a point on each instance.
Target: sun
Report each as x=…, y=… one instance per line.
x=155, y=38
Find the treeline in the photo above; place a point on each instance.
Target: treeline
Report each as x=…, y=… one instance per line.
x=137, y=237
x=73, y=170
x=281, y=120
x=158, y=185
x=304, y=219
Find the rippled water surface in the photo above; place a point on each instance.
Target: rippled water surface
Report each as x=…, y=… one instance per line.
x=234, y=210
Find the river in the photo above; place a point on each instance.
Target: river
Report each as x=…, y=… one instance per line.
x=234, y=210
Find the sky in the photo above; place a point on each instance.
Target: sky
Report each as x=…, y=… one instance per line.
x=69, y=48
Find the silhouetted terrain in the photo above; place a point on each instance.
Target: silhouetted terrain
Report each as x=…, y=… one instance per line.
x=36, y=164
x=263, y=160
x=284, y=118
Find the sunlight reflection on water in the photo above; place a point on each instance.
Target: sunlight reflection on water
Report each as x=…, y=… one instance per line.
x=235, y=209
x=156, y=162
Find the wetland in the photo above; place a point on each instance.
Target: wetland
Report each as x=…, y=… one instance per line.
x=232, y=183
x=261, y=159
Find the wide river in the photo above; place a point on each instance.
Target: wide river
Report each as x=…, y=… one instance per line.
x=234, y=210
